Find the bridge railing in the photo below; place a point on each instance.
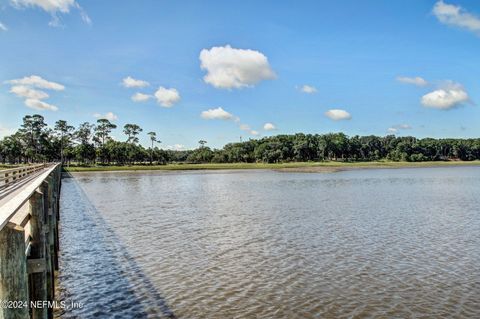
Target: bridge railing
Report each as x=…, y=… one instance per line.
x=9, y=177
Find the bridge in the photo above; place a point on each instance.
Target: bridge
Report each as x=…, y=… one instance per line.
x=29, y=215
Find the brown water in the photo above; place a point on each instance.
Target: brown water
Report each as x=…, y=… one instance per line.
x=401, y=243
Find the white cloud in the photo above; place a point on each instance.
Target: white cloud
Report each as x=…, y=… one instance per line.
x=84, y=15
x=28, y=93
x=54, y=7
x=3, y=27
x=338, y=115
x=396, y=128
x=140, y=97
x=247, y=128
x=220, y=114
x=452, y=95
x=418, y=81
x=40, y=105
x=39, y=82
x=24, y=88
x=308, y=89
x=216, y=114
x=108, y=116
x=456, y=16
x=244, y=127
x=167, y=97
x=130, y=82
x=392, y=130
x=51, y=6
x=176, y=147
x=269, y=127
x=229, y=68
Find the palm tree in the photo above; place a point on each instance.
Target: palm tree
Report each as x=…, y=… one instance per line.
x=202, y=143
x=153, y=138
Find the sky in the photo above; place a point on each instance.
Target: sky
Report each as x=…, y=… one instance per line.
x=221, y=71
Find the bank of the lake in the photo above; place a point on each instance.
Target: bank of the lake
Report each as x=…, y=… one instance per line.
x=293, y=167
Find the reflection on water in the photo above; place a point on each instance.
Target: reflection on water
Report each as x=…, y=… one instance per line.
x=262, y=244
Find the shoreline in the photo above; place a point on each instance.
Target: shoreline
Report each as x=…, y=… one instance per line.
x=301, y=167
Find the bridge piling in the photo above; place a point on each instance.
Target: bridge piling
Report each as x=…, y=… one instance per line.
x=13, y=273
x=38, y=280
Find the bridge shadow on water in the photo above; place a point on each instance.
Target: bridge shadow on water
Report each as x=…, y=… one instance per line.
x=96, y=268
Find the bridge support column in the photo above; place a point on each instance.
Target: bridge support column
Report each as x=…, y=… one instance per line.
x=47, y=189
x=38, y=279
x=13, y=274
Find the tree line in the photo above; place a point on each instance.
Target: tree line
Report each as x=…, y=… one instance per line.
x=92, y=144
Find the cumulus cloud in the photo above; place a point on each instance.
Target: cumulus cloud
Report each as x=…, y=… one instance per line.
x=25, y=88
x=396, y=128
x=308, y=89
x=40, y=105
x=130, y=82
x=54, y=7
x=456, y=16
x=39, y=82
x=108, y=116
x=229, y=68
x=338, y=115
x=418, y=81
x=220, y=114
x=167, y=97
x=3, y=27
x=28, y=93
x=216, y=114
x=247, y=128
x=448, y=97
x=269, y=127
x=140, y=97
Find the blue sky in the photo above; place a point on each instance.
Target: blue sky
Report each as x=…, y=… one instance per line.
x=372, y=67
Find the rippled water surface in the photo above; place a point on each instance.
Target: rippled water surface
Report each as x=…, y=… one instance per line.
x=262, y=244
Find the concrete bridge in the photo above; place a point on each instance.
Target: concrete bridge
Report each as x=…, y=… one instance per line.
x=29, y=214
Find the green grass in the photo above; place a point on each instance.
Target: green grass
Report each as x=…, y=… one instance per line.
x=333, y=165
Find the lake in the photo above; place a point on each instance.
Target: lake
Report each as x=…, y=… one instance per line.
x=264, y=244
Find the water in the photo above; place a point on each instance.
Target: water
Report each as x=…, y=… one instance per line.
x=401, y=243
